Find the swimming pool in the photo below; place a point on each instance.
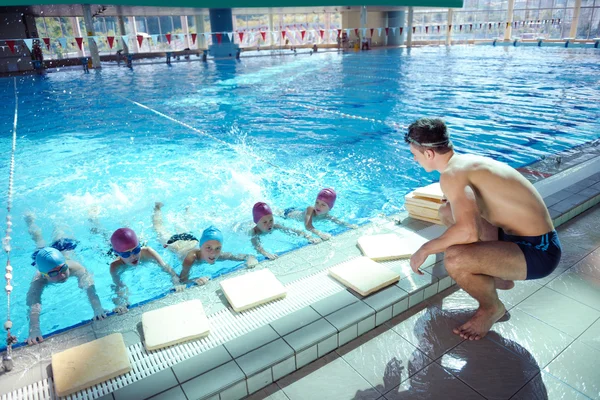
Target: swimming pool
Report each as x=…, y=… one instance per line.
x=219, y=137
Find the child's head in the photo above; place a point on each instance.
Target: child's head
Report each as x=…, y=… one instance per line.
x=325, y=201
x=211, y=244
x=52, y=265
x=126, y=245
x=263, y=217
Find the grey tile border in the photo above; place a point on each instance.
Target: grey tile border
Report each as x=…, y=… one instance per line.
x=349, y=315
x=214, y=381
x=148, y=387
x=310, y=334
x=284, y=368
x=348, y=334
x=251, y=341
x=334, y=303
x=385, y=298
x=327, y=346
x=259, y=381
x=295, y=320
x=175, y=393
x=264, y=357
x=236, y=392
x=306, y=356
x=366, y=325
x=201, y=363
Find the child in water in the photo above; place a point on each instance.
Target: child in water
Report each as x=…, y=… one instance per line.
x=130, y=253
x=320, y=210
x=263, y=218
x=191, y=250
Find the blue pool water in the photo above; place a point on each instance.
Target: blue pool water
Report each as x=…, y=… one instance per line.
x=219, y=137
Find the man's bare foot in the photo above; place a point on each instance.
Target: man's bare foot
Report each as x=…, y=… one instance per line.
x=502, y=284
x=479, y=325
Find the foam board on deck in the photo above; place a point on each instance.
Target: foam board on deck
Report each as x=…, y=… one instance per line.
x=424, y=212
x=422, y=202
x=252, y=289
x=174, y=324
x=390, y=246
x=91, y=363
x=363, y=275
x=433, y=191
x=430, y=220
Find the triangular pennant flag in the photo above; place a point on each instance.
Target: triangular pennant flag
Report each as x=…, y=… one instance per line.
x=167, y=35
x=275, y=35
x=140, y=39
x=339, y=31
x=264, y=36
x=379, y=32
x=63, y=42
x=283, y=34
x=111, y=41
x=414, y=29
x=322, y=32
x=252, y=35
x=387, y=31
x=372, y=30
x=401, y=29
x=79, y=41
x=206, y=35
x=356, y=31
x=426, y=29
x=507, y=25
x=470, y=27
x=438, y=28
x=302, y=33
x=230, y=36
x=219, y=37
x=364, y=32
x=194, y=38
x=154, y=38
x=450, y=27
x=460, y=28
x=29, y=43
x=490, y=27
x=47, y=41
x=480, y=25
x=241, y=35
x=11, y=45
x=125, y=39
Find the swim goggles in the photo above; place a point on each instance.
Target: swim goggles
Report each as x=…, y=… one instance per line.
x=127, y=254
x=54, y=272
x=408, y=139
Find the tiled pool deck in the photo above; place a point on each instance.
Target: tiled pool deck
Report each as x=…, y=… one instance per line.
x=565, y=305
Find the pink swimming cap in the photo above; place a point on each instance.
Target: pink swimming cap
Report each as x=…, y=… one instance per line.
x=124, y=239
x=259, y=210
x=327, y=196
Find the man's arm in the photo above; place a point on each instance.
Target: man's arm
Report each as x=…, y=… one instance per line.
x=464, y=208
x=34, y=302
x=86, y=281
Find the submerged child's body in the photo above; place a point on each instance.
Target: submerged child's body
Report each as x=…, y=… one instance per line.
x=263, y=218
x=193, y=251
x=320, y=210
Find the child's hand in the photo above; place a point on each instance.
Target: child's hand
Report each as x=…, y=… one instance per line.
x=325, y=236
x=202, y=281
x=314, y=240
x=179, y=288
x=271, y=256
x=251, y=262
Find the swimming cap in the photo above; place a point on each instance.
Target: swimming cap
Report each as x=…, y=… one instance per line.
x=211, y=233
x=259, y=210
x=124, y=239
x=48, y=258
x=327, y=196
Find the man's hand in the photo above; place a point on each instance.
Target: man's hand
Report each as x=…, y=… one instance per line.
x=417, y=260
x=35, y=337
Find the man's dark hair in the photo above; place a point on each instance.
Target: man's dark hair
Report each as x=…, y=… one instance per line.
x=429, y=133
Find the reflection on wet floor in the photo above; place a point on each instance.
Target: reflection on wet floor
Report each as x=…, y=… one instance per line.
x=547, y=347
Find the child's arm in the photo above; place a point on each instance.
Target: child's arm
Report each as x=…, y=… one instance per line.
x=259, y=248
x=34, y=302
x=152, y=254
x=86, y=281
x=251, y=261
x=188, y=261
x=303, y=234
x=308, y=216
x=121, y=299
x=340, y=222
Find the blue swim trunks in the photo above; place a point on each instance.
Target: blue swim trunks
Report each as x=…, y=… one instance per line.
x=542, y=253
x=63, y=244
x=287, y=211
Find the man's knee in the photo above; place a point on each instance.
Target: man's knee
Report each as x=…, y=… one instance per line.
x=454, y=257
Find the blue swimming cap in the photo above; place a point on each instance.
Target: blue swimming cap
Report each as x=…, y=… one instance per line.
x=211, y=233
x=48, y=258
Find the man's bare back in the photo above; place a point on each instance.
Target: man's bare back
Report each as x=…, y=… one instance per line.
x=504, y=197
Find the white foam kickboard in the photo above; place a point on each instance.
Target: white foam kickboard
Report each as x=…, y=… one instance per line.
x=390, y=246
x=174, y=324
x=89, y=364
x=364, y=275
x=252, y=289
x=433, y=191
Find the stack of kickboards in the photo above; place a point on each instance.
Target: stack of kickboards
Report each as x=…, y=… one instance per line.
x=424, y=203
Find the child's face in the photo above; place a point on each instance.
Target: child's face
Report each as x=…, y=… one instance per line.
x=265, y=224
x=321, y=207
x=211, y=250
x=131, y=256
